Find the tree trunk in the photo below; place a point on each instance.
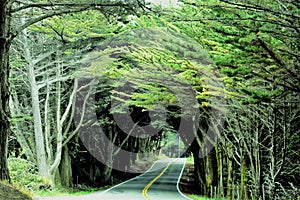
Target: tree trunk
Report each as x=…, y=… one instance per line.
x=21, y=137
x=37, y=119
x=230, y=185
x=199, y=165
x=4, y=174
x=66, y=170
x=5, y=41
x=209, y=173
x=59, y=124
x=219, y=157
x=243, y=172
x=106, y=175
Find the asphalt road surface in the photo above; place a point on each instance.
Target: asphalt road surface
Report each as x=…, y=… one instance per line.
x=160, y=182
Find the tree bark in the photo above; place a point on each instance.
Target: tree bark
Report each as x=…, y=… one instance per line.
x=219, y=157
x=38, y=128
x=5, y=42
x=230, y=185
x=66, y=169
x=21, y=137
x=243, y=172
x=199, y=168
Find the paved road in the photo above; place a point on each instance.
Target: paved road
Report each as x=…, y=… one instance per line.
x=160, y=182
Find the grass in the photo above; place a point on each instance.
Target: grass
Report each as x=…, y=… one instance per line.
x=139, y=166
x=69, y=191
x=197, y=197
x=24, y=173
x=13, y=192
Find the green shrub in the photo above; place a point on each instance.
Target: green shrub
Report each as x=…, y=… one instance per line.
x=190, y=159
x=24, y=173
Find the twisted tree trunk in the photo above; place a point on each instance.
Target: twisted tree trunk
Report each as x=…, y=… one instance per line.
x=5, y=41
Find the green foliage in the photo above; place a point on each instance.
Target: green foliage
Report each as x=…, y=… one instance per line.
x=197, y=197
x=251, y=47
x=171, y=139
x=76, y=26
x=20, y=117
x=190, y=159
x=160, y=64
x=24, y=173
x=70, y=191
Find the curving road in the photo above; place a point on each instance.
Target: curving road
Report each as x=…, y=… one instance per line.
x=160, y=182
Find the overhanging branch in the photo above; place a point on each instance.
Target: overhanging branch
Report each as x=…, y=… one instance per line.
x=70, y=5
x=61, y=8
x=51, y=14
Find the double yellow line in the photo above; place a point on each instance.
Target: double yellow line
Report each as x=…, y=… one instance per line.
x=145, y=190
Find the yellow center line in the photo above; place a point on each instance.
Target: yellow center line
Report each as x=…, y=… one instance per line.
x=145, y=190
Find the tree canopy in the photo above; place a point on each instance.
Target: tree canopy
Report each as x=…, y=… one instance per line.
x=90, y=88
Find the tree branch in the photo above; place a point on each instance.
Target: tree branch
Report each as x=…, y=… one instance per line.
x=51, y=14
x=63, y=8
x=259, y=8
x=50, y=5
